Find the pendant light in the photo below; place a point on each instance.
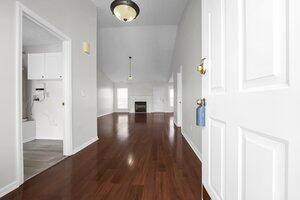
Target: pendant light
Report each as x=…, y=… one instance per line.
x=130, y=69
x=125, y=10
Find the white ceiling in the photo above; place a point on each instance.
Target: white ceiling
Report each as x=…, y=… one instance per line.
x=34, y=35
x=151, y=48
x=152, y=12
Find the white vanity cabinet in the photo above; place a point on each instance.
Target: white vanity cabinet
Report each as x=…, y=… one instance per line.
x=45, y=66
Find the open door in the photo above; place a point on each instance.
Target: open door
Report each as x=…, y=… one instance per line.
x=251, y=142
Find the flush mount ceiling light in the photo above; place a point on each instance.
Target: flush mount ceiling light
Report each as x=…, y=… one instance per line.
x=125, y=10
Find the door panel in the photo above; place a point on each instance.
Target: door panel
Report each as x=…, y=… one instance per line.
x=262, y=166
x=251, y=141
x=215, y=21
x=217, y=157
x=263, y=43
x=214, y=89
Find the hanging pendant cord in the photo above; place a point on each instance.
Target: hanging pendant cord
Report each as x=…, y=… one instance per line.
x=130, y=66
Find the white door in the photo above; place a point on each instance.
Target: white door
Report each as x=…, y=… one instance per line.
x=179, y=100
x=251, y=142
x=158, y=99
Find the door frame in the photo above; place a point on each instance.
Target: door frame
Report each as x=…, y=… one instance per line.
x=179, y=105
x=21, y=12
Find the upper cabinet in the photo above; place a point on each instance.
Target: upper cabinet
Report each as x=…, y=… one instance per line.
x=45, y=66
x=53, y=65
x=36, y=66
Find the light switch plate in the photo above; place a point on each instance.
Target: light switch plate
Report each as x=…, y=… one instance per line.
x=82, y=92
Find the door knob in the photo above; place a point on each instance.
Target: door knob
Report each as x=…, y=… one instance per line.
x=201, y=68
x=201, y=102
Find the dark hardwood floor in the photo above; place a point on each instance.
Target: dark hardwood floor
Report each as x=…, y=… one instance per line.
x=138, y=156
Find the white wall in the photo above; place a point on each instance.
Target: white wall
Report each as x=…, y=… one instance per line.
x=49, y=113
x=78, y=20
x=105, y=94
x=187, y=53
x=8, y=167
x=43, y=48
x=47, y=116
x=28, y=131
x=105, y=87
x=155, y=93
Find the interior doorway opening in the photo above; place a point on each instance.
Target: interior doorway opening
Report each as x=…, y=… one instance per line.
x=43, y=108
x=179, y=99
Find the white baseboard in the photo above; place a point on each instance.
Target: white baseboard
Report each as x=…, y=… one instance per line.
x=207, y=188
x=198, y=154
x=84, y=145
x=8, y=188
x=148, y=112
x=48, y=138
x=29, y=139
x=105, y=114
x=122, y=111
x=176, y=124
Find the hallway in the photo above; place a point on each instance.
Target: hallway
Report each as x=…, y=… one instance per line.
x=138, y=156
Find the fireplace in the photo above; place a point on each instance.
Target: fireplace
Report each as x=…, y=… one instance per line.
x=140, y=106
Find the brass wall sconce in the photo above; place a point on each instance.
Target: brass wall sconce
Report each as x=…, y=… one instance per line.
x=86, y=47
x=201, y=69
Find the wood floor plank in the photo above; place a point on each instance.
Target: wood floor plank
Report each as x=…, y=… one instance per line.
x=138, y=156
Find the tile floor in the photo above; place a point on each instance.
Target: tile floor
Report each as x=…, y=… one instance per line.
x=39, y=155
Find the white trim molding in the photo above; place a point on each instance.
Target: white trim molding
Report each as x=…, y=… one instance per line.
x=84, y=145
x=29, y=139
x=105, y=114
x=22, y=11
x=196, y=151
x=159, y=112
x=49, y=138
x=176, y=124
x=120, y=112
x=8, y=188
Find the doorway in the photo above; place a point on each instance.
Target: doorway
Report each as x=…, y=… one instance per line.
x=179, y=99
x=43, y=109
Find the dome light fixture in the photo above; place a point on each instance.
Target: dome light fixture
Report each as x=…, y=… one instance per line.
x=125, y=10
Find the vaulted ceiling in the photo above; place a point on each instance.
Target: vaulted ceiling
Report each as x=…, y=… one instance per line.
x=153, y=12
x=151, y=49
x=150, y=40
